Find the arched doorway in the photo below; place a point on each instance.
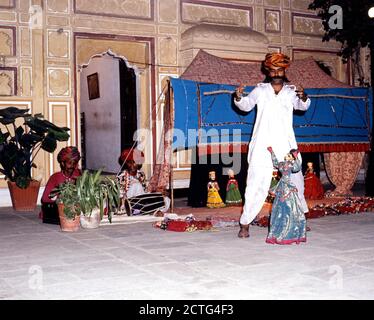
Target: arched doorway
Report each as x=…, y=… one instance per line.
x=108, y=110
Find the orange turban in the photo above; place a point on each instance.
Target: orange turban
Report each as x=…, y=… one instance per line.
x=276, y=60
x=132, y=154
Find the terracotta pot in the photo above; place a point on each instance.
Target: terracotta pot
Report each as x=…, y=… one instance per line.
x=91, y=221
x=24, y=199
x=67, y=225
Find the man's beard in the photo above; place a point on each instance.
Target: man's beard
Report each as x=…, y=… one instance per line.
x=69, y=172
x=279, y=79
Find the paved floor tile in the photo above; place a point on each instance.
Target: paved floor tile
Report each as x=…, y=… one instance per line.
x=138, y=261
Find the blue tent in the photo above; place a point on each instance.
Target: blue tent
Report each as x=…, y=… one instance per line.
x=339, y=119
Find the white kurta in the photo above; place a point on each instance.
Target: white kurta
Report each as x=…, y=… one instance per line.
x=273, y=128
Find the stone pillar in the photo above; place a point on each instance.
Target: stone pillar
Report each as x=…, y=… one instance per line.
x=36, y=24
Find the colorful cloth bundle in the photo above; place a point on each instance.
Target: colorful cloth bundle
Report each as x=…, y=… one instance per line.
x=183, y=225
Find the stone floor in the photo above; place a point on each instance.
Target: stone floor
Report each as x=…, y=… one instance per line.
x=137, y=261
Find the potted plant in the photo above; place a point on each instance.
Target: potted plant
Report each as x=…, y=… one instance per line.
x=95, y=194
x=68, y=206
x=22, y=136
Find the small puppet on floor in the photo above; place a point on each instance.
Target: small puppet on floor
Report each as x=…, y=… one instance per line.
x=214, y=199
x=313, y=188
x=274, y=181
x=233, y=196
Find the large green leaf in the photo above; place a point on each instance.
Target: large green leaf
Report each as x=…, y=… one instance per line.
x=8, y=158
x=49, y=143
x=60, y=134
x=29, y=140
x=3, y=136
x=95, y=192
x=36, y=124
x=6, y=121
x=9, y=114
x=18, y=133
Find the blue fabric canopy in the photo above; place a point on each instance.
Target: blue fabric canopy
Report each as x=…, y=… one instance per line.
x=204, y=113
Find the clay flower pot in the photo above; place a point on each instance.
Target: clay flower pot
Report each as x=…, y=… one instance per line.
x=66, y=224
x=24, y=199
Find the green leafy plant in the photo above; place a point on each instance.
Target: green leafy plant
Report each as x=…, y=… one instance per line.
x=67, y=195
x=96, y=191
x=21, y=138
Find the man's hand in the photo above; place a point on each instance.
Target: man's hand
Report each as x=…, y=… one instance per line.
x=239, y=92
x=270, y=149
x=300, y=93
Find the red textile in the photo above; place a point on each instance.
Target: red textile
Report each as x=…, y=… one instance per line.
x=68, y=154
x=177, y=225
x=54, y=181
x=132, y=154
x=205, y=149
x=315, y=213
x=183, y=225
x=212, y=69
x=334, y=147
x=313, y=188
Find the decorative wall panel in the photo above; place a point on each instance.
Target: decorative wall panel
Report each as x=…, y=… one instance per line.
x=300, y=4
x=58, y=6
x=7, y=4
x=168, y=51
x=25, y=41
x=168, y=11
x=8, y=41
x=275, y=3
x=58, y=44
x=8, y=81
x=274, y=49
x=194, y=11
x=58, y=82
x=26, y=81
x=307, y=25
x=272, y=20
x=58, y=21
x=135, y=9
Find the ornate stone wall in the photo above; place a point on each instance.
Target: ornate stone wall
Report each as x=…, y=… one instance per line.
x=42, y=43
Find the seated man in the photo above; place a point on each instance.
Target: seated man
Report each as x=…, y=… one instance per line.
x=134, y=196
x=68, y=159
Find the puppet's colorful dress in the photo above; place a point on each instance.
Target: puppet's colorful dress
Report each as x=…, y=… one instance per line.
x=214, y=199
x=233, y=196
x=313, y=188
x=287, y=219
